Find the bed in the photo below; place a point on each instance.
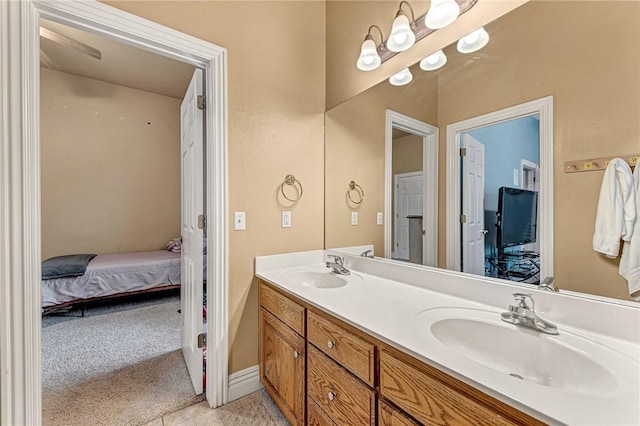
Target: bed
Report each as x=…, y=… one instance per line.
x=113, y=275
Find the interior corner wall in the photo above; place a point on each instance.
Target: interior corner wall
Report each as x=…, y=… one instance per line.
x=110, y=167
x=276, y=90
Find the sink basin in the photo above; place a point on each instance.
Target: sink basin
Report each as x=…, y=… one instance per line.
x=567, y=362
x=316, y=276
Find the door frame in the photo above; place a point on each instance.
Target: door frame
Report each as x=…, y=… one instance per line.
x=430, y=137
x=395, y=206
x=20, y=258
x=544, y=108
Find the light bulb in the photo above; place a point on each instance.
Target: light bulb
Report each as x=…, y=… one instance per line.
x=400, y=38
x=474, y=41
x=401, y=78
x=441, y=13
x=471, y=38
x=433, y=61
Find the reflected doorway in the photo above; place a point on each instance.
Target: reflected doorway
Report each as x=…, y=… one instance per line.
x=411, y=190
x=523, y=197
x=499, y=191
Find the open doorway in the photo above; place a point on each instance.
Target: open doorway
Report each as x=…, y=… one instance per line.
x=411, y=190
x=499, y=165
x=522, y=222
x=112, y=120
x=21, y=335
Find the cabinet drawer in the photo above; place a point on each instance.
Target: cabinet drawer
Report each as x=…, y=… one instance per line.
x=285, y=309
x=349, y=350
x=429, y=400
x=390, y=416
x=344, y=398
x=317, y=417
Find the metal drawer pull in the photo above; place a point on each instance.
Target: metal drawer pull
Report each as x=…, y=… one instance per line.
x=330, y=344
x=331, y=396
x=296, y=354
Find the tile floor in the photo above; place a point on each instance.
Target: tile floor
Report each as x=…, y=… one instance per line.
x=256, y=409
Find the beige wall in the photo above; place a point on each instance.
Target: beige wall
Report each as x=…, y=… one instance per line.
x=406, y=155
x=535, y=51
x=354, y=150
x=349, y=21
x=110, y=167
x=276, y=89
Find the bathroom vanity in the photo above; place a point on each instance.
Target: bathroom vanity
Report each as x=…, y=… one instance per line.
x=364, y=349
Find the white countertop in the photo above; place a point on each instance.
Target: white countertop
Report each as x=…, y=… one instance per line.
x=387, y=309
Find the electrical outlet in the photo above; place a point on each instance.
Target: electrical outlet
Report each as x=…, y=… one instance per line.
x=286, y=219
x=354, y=218
x=239, y=221
x=379, y=218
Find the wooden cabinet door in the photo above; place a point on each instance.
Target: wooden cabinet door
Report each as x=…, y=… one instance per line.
x=282, y=366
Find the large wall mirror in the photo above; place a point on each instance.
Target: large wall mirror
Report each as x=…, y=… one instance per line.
x=577, y=63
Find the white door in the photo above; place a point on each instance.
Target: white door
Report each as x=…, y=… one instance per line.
x=192, y=147
x=408, y=201
x=473, y=230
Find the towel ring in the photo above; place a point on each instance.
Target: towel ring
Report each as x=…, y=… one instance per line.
x=358, y=190
x=292, y=181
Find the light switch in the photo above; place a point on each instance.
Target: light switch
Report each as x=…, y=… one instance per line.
x=516, y=176
x=286, y=219
x=354, y=218
x=379, y=218
x=239, y=221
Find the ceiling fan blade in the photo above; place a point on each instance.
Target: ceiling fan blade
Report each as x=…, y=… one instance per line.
x=69, y=42
x=47, y=61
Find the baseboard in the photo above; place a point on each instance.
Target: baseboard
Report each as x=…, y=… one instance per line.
x=244, y=382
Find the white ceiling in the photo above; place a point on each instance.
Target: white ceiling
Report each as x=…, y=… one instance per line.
x=120, y=64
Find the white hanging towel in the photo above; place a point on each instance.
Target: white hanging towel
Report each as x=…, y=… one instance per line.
x=616, y=209
x=630, y=260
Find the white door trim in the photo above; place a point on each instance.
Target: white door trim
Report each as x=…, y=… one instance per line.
x=543, y=107
x=20, y=322
x=429, y=136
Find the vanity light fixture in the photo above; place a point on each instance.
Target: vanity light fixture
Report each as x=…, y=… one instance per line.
x=433, y=61
x=402, y=36
x=369, y=58
x=405, y=33
x=474, y=41
x=401, y=78
x=441, y=13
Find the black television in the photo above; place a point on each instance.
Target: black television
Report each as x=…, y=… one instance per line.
x=517, y=217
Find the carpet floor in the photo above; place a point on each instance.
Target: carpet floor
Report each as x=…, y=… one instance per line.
x=120, y=365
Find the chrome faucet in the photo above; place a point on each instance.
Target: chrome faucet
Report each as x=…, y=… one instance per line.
x=367, y=253
x=548, y=284
x=337, y=265
x=524, y=315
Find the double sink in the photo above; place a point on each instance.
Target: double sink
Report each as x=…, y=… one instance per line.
x=569, y=362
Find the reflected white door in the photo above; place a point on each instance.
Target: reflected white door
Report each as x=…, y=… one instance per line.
x=408, y=202
x=192, y=147
x=473, y=230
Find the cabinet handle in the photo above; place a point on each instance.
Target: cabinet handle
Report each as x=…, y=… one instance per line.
x=330, y=344
x=296, y=354
x=331, y=396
